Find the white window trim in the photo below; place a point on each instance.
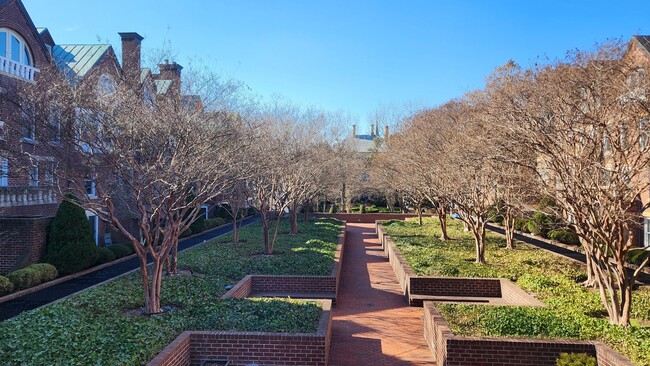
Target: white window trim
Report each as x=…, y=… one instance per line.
x=33, y=175
x=93, y=188
x=4, y=176
x=95, y=224
x=646, y=232
x=23, y=46
x=206, y=207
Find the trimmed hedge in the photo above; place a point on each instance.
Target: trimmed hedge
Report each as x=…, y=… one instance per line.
x=6, y=287
x=575, y=359
x=564, y=236
x=105, y=255
x=32, y=275
x=120, y=250
x=214, y=222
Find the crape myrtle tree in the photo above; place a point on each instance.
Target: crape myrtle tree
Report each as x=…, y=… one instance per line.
x=585, y=118
x=149, y=162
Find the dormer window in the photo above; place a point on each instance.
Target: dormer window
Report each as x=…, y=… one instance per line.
x=15, y=56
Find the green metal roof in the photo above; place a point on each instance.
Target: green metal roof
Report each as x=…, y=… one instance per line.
x=162, y=86
x=144, y=72
x=40, y=30
x=76, y=60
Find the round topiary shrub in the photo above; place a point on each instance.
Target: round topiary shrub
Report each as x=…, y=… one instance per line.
x=24, y=278
x=46, y=271
x=119, y=250
x=105, y=255
x=6, y=287
x=564, y=236
x=575, y=359
x=71, y=247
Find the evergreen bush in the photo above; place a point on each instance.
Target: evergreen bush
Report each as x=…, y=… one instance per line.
x=575, y=359
x=120, y=250
x=71, y=247
x=564, y=236
x=32, y=275
x=105, y=256
x=6, y=287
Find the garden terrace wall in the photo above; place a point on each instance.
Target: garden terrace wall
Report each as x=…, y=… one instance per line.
x=367, y=218
x=434, y=286
x=245, y=348
x=451, y=350
x=312, y=286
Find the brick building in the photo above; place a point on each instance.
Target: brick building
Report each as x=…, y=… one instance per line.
x=28, y=200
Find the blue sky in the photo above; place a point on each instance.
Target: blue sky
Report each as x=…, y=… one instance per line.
x=350, y=55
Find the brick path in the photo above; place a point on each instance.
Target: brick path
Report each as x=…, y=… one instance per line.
x=373, y=324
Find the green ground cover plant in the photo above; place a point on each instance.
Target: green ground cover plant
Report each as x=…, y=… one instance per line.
x=103, y=325
x=572, y=311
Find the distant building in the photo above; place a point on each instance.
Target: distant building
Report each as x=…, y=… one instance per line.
x=368, y=144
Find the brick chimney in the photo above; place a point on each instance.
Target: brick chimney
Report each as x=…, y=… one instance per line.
x=354, y=130
x=131, y=52
x=385, y=132
x=171, y=71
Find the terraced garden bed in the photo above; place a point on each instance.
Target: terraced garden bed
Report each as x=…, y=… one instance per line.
x=572, y=312
x=102, y=325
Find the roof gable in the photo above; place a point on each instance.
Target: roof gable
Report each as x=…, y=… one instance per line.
x=76, y=60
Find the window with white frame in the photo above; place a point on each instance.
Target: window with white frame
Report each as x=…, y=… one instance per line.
x=90, y=187
x=48, y=177
x=646, y=231
x=94, y=225
x=4, y=172
x=33, y=175
x=29, y=123
x=106, y=85
x=54, y=120
x=14, y=47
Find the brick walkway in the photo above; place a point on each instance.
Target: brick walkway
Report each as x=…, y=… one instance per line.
x=373, y=324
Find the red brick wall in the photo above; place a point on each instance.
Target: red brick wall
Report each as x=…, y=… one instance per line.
x=451, y=350
x=243, y=348
x=22, y=242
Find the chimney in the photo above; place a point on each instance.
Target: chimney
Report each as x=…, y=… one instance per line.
x=372, y=129
x=354, y=130
x=131, y=50
x=171, y=71
x=385, y=132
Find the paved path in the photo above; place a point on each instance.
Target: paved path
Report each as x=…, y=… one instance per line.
x=372, y=323
x=50, y=294
x=643, y=277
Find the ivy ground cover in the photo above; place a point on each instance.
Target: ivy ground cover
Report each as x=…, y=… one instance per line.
x=102, y=326
x=572, y=312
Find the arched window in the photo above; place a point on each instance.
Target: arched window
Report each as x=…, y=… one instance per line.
x=105, y=85
x=14, y=47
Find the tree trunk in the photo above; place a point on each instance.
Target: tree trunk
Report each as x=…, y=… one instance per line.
x=305, y=216
x=152, y=287
x=509, y=227
x=420, y=215
x=478, y=229
x=172, y=262
x=442, y=217
x=268, y=250
x=235, y=231
x=294, y=219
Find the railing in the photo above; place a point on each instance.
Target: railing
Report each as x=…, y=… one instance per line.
x=24, y=196
x=17, y=69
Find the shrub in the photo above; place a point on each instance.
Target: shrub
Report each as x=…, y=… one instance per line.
x=534, y=227
x=6, y=286
x=119, y=250
x=105, y=255
x=32, y=275
x=362, y=209
x=575, y=359
x=213, y=222
x=637, y=257
x=71, y=247
x=223, y=211
x=333, y=208
x=129, y=245
x=186, y=233
x=198, y=225
x=521, y=224
x=564, y=236
x=494, y=215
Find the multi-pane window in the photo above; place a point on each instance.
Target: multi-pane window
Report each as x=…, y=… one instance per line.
x=29, y=123
x=14, y=48
x=33, y=175
x=89, y=186
x=48, y=177
x=55, y=125
x=4, y=172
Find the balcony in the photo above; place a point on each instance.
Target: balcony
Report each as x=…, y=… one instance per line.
x=25, y=196
x=18, y=70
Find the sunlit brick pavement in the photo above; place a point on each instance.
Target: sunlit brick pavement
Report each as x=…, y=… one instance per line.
x=373, y=324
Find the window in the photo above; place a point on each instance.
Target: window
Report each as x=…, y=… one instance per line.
x=89, y=186
x=4, y=172
x=55, y=124
x=33, y=175
x=88, y=125
x=14, y=48
x=48, y=178
x=106, y=85
x=29, y=123
x=646, y=231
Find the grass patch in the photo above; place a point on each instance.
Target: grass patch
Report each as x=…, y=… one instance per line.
x=92, y=328
x=572, y=311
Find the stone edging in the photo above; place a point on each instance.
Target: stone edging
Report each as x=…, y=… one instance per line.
x=244, y=348
x=451, y=350
x=27, y=291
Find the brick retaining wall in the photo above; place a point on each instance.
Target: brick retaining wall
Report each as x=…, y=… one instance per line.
x=23, y=242
x=451, y=350
x=243, y=348
x=367, y=218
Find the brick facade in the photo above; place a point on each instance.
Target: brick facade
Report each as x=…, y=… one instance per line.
x=21, y=242
x=245, y=348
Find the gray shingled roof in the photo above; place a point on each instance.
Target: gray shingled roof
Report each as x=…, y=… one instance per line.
x=162, y=86
x=644, y=41
x=360, y=143
x=76, y=60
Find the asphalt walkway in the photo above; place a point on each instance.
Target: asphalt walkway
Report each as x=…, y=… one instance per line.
x=372, y=322
x=50, y=294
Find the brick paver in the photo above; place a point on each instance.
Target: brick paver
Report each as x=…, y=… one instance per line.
x=372, y=323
